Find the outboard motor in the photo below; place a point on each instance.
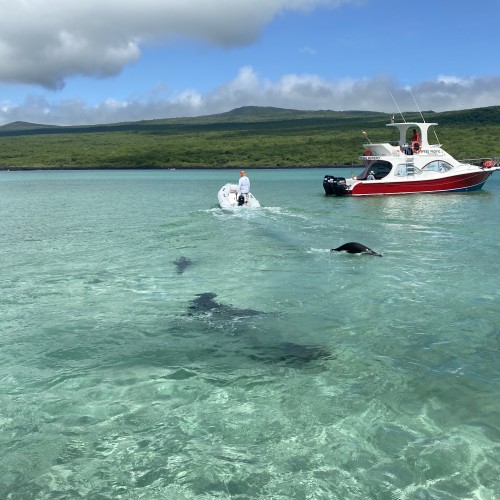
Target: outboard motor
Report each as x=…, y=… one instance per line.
x=334, y=185
x=241, y=200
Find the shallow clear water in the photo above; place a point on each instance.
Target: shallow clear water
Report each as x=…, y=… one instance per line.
x=317, y=376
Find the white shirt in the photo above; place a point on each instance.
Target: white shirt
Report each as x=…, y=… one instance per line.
x=244, y=185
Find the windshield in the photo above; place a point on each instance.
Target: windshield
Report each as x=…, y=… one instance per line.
x=438, y=166
x=379, y=168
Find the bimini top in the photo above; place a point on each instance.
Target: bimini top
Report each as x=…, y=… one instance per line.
x=424, y=132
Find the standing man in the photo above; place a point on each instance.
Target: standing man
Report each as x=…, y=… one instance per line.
x=243, y=187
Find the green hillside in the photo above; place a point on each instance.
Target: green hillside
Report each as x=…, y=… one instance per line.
x=250, y=136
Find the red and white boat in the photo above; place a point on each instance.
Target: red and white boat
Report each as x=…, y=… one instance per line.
x=405, y=167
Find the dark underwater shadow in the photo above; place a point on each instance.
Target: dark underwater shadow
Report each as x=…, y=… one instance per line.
x=204, y=303
x=181, y=264
x=221, y=319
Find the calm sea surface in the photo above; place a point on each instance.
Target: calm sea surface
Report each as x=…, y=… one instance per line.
x=298, y=374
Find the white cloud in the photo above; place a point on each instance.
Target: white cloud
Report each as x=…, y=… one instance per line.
x=189, y=99
x=449, y=80
x=45, y=42
x=309, y=92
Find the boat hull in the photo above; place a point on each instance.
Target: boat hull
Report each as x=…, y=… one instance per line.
x=228, y=198
x=471, y=181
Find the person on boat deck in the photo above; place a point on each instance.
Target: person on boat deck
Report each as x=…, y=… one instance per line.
x=371, y=176
x=244, y=185
x=416, y=136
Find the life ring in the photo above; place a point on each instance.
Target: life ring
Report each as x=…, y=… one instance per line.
x=488, y=163
x=367, y=153
x=415, y=147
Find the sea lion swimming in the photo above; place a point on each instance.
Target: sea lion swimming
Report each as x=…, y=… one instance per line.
x=353, y=247
x=181, y=264
x=283, y=353
x=205, y=303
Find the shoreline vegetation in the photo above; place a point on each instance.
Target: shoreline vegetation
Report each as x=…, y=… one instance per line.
x=249, y=137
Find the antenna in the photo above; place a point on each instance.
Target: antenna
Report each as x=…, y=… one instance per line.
x=423, y=119
x=397, y=107
x=437, y=138
x=414, y=100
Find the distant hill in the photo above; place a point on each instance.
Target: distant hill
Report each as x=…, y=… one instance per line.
x=251, y=136
x=254, y=112
x=242, y=114
x=14, y=126
x=261, y=114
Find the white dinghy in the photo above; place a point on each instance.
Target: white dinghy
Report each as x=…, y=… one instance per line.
x=228, y=198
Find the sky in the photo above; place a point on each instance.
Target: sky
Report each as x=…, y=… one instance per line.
x=108, y=61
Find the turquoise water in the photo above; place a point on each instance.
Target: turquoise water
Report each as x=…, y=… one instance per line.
x=310, y=374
